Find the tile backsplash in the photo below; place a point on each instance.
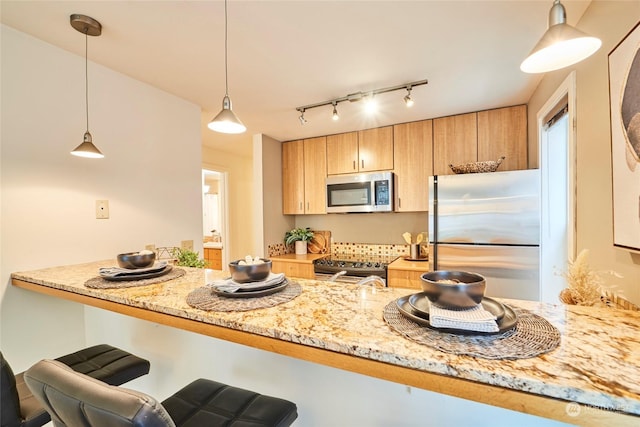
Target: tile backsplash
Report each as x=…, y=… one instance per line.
x=354, y=249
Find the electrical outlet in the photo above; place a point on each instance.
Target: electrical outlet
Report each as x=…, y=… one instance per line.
x=102, y=209
x=187, y=245
x=150, y=247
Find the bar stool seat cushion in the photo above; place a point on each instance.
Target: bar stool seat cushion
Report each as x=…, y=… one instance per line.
x=210, y=403
x=74, y=399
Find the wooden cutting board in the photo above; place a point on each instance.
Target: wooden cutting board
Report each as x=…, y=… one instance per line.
x=320, y=243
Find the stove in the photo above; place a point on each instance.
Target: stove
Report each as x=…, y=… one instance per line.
x=357, y=266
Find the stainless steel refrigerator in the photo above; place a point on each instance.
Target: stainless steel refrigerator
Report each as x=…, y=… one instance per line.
x=488, y=223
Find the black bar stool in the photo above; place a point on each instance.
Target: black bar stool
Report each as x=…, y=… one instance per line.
x=74, y=399
x=103, y=362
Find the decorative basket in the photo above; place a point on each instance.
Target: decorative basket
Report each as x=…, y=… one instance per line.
x=478, y=167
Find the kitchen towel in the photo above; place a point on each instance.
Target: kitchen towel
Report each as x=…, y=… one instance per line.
x=230, y=285
x=472, y=319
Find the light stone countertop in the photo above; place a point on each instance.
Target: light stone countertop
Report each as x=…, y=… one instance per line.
x=597, y=363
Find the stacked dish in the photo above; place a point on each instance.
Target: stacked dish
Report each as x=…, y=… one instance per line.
x=488, y=317
x=159, y=268
x=234, y=289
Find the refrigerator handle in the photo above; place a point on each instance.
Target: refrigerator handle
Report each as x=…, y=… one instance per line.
x=435, y=222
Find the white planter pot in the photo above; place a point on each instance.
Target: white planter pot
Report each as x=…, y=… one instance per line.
x=301, y=247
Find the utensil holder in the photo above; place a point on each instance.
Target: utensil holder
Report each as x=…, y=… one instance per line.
x=414, y=251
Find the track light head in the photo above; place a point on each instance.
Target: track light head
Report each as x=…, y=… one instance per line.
x=335, y=115
x=303, y=121
x=370, y=104
x=407, y=99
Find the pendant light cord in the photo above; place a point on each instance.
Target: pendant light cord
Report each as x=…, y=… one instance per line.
x=226, y=67
x=86, y=73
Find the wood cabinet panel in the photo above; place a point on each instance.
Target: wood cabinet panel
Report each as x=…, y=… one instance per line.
x=375, y=149
x=293, y=269
x=213, y=256
x=404, y=279
x=315, y=173
x=413, y=164
x=293, y=177
x=455, y=141
x=342, y=153
x=503, y=132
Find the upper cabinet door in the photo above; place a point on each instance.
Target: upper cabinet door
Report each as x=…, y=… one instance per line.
x=375, y=149
x=293, y=177
x=413, y=164
x=455, y=141
x=315, y=174
x=503, y=132
x=342, y=153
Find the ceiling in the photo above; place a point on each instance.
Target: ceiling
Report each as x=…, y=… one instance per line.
x=286, y=54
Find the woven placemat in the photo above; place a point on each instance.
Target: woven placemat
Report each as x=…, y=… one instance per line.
x=101, y=283
x=204, y=299
x=532, y=336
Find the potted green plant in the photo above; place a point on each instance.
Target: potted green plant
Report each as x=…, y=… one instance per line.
x=299, y=236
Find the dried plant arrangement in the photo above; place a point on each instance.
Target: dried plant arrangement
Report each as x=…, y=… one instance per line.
x=584, y=286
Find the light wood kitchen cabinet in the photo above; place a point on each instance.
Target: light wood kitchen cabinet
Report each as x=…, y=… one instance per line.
x=362, y=151
x=375, y=149
x=213, y=256
x=293, y=177
x=295, y=265
x=315, y=174
x=503, y=132
x=304, y=169
x=402, y=273
x=413, y=164
x=342, y=153
x=455, y=141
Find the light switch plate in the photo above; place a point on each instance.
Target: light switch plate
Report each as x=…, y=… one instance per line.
x=102, y=209
x=187, y=245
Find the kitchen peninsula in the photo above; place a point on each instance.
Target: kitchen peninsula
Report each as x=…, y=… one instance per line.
x=592, y=378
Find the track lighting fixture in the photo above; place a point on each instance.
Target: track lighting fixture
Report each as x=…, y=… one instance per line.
x=335, y=115
x=560, y=46
x=407, y=99
x=226, y=121
x=89, y=27
x=368, y=97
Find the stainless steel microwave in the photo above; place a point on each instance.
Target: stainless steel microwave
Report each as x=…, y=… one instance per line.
x=362, y=192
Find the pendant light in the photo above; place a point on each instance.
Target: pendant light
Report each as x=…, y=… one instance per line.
x=560, y=46
x=226, y=121
x=89, y=27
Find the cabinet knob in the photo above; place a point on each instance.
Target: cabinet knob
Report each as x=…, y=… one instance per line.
x=300, y=205
x=399, y=202
x=362, y=163
x=354, y=165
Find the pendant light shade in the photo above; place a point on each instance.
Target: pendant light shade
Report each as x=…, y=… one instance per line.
x=560, y=46
x=89, y=27
x=226, y=121
x=87, y=149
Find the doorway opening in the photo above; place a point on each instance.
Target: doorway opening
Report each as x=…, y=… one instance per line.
x=214, y=217
x=557, y=161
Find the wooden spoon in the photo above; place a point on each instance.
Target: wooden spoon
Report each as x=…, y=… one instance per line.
x=407, y=237
x=419, y=238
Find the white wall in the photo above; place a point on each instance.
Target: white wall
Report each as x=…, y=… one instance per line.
x=151, y=176
x=610, y=21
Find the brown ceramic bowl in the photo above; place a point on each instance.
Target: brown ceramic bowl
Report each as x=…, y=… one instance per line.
x=134, y=260
x=250, y=272
x=457, y=289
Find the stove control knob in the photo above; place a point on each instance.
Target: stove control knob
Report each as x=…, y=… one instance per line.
x=357, y=265
x=368, y=265
x=341, y=264
x=377, y=265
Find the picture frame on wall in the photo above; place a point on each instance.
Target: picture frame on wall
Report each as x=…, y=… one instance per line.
x=624, y=102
